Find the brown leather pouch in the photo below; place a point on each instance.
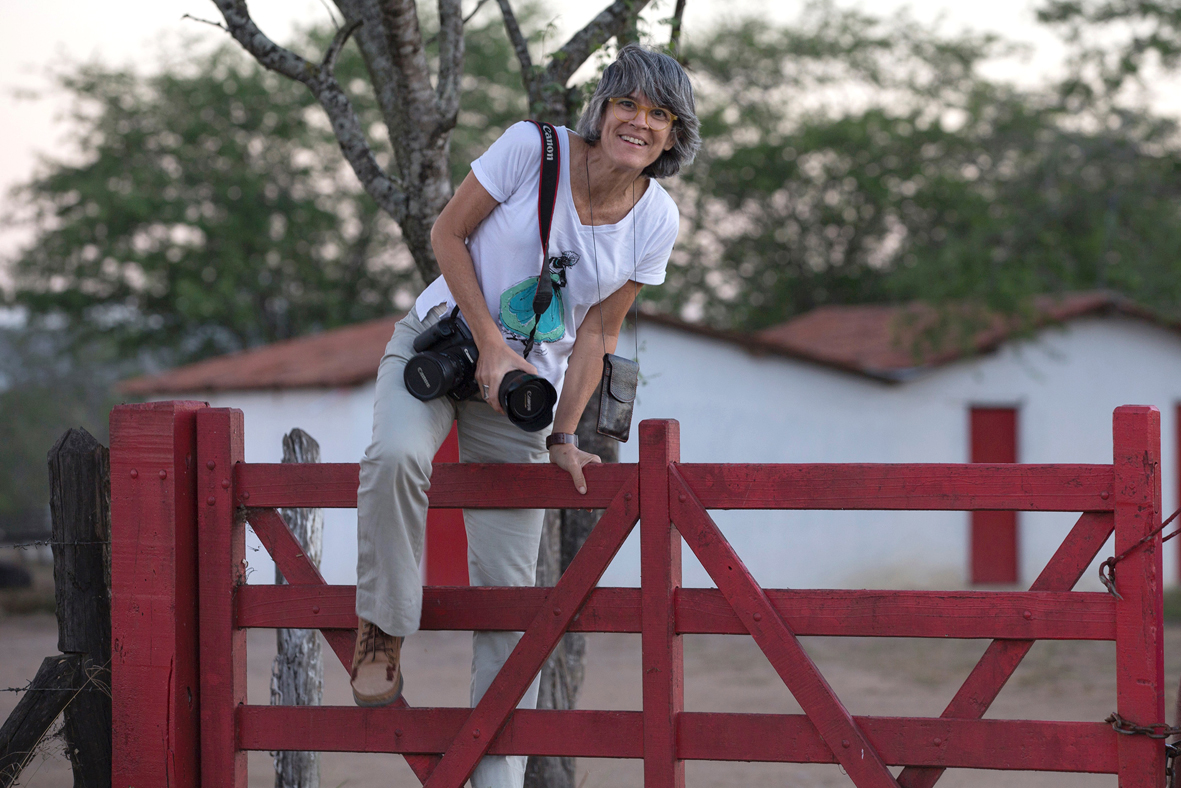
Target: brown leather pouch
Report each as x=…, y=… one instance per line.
x=617, y=396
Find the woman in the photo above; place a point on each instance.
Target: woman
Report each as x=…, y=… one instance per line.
x=613, y=229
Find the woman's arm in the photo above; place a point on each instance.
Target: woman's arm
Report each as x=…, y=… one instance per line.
x=596, y=335
x=460, y=217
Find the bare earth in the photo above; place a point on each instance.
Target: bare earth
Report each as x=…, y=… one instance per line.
x=1059, y=680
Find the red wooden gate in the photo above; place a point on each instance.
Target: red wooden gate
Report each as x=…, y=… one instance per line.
x=182, y=496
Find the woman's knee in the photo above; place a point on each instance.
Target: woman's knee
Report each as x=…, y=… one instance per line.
x=398, y=458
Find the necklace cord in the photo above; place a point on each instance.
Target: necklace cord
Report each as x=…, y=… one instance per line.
x=595, y=249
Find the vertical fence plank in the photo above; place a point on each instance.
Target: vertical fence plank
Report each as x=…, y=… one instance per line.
x=80, y=507
x=660, y=577
x=154, y=678
x=221, y=570
x=1139, y=614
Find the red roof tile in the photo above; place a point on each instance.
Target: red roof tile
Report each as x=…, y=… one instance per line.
x=340, y=357
x=891, y=341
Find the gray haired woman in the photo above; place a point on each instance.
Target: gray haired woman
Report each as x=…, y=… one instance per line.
x=613, y=229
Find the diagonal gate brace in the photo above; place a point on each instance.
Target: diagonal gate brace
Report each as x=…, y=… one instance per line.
x=825, y=711
x=1001, y=658
x=543, y=634
x=298, y=569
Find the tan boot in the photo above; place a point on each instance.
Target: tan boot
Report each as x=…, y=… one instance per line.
x=377, y=666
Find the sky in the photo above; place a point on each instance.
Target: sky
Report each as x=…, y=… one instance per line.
x=39, y=35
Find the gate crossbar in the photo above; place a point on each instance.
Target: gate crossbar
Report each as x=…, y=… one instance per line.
x=671, y=500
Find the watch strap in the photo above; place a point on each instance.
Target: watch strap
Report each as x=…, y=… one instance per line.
x=555, y=438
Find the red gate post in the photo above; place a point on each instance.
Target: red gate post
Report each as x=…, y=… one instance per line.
x=154, y=668
x=660, y=577
x=221, y=567
x=1139, y=615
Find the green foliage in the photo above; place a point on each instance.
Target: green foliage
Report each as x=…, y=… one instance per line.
x=43, y=392
x=849, y=159
x=212, y=210
x=1113, y=43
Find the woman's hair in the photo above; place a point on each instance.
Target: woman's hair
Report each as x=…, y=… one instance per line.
x=661, y=79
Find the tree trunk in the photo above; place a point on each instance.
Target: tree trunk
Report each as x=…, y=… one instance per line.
x=562, y=536
x=297, y=676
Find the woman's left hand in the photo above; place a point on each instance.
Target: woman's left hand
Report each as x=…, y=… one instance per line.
x=571, y=459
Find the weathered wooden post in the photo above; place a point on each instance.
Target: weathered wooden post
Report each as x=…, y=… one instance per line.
x=77, y=682
x=297, y=676
x=80, y=507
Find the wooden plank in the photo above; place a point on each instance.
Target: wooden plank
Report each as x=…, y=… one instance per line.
x=535, y=645
x=445, y=560
x=289, y=557
x=51, y=690
x=830, y=612
x=1001, y=658
x=993, y=540
x=973, y=744
x=584, y=734
x=1052, y=488
x=660, y=577
x=453, y=486
x=835, y=725
x=912, y=614
x=1025, y=745
x=155, y=687
x=1139, y=615
x=221, y=570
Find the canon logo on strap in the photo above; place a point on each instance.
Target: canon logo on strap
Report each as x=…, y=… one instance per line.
x=549, y=142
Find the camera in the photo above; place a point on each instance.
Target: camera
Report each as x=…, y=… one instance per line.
x=445, y=364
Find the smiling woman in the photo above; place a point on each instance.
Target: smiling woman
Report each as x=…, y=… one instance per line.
x=612, y=230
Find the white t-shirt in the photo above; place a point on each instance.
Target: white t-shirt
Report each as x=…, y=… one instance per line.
x=506, y=250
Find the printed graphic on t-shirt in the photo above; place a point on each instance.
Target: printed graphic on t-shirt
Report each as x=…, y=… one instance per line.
x=516, y=304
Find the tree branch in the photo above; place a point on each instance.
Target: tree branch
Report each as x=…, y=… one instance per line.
x=674, y=37
x=346, y=125
x=328, y=65
x=450, y=60
x=218, y=25
x=611, y=21
x=520, y=44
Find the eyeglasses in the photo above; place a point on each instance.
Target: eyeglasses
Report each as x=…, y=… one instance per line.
x=626, y=109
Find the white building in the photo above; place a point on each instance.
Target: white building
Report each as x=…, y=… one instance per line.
x=839, y=384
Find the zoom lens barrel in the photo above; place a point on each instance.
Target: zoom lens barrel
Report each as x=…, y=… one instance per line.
x=527, y=400
x=429, y=375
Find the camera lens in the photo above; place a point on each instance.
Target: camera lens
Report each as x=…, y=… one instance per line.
x=429, y=375
x=527, y=400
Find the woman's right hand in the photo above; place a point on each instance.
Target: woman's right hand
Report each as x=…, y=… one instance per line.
x=492, y=365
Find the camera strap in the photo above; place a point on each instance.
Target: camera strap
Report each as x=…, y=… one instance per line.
x=547, y=195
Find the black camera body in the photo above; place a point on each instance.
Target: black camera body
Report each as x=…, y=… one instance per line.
x=445, y=364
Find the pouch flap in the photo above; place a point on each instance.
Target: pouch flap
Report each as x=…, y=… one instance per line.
x=625, y=377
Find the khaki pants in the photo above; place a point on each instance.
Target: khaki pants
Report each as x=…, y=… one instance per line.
x=391, y=519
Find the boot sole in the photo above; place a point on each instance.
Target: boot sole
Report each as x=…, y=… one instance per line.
x=377, y=701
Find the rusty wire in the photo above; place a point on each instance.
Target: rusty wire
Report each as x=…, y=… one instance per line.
x=1107, y=568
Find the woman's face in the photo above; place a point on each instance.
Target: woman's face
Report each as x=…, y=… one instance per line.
x=634, y=144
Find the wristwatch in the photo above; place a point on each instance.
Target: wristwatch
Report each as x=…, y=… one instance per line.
x=561, y=437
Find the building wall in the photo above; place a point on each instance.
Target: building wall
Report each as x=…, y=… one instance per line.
x=737, y=407
x=1065, y=383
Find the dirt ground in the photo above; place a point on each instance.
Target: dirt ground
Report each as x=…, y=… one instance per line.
x=1058, y=680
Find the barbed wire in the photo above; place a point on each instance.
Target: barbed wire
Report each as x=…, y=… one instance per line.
x=51, y=542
